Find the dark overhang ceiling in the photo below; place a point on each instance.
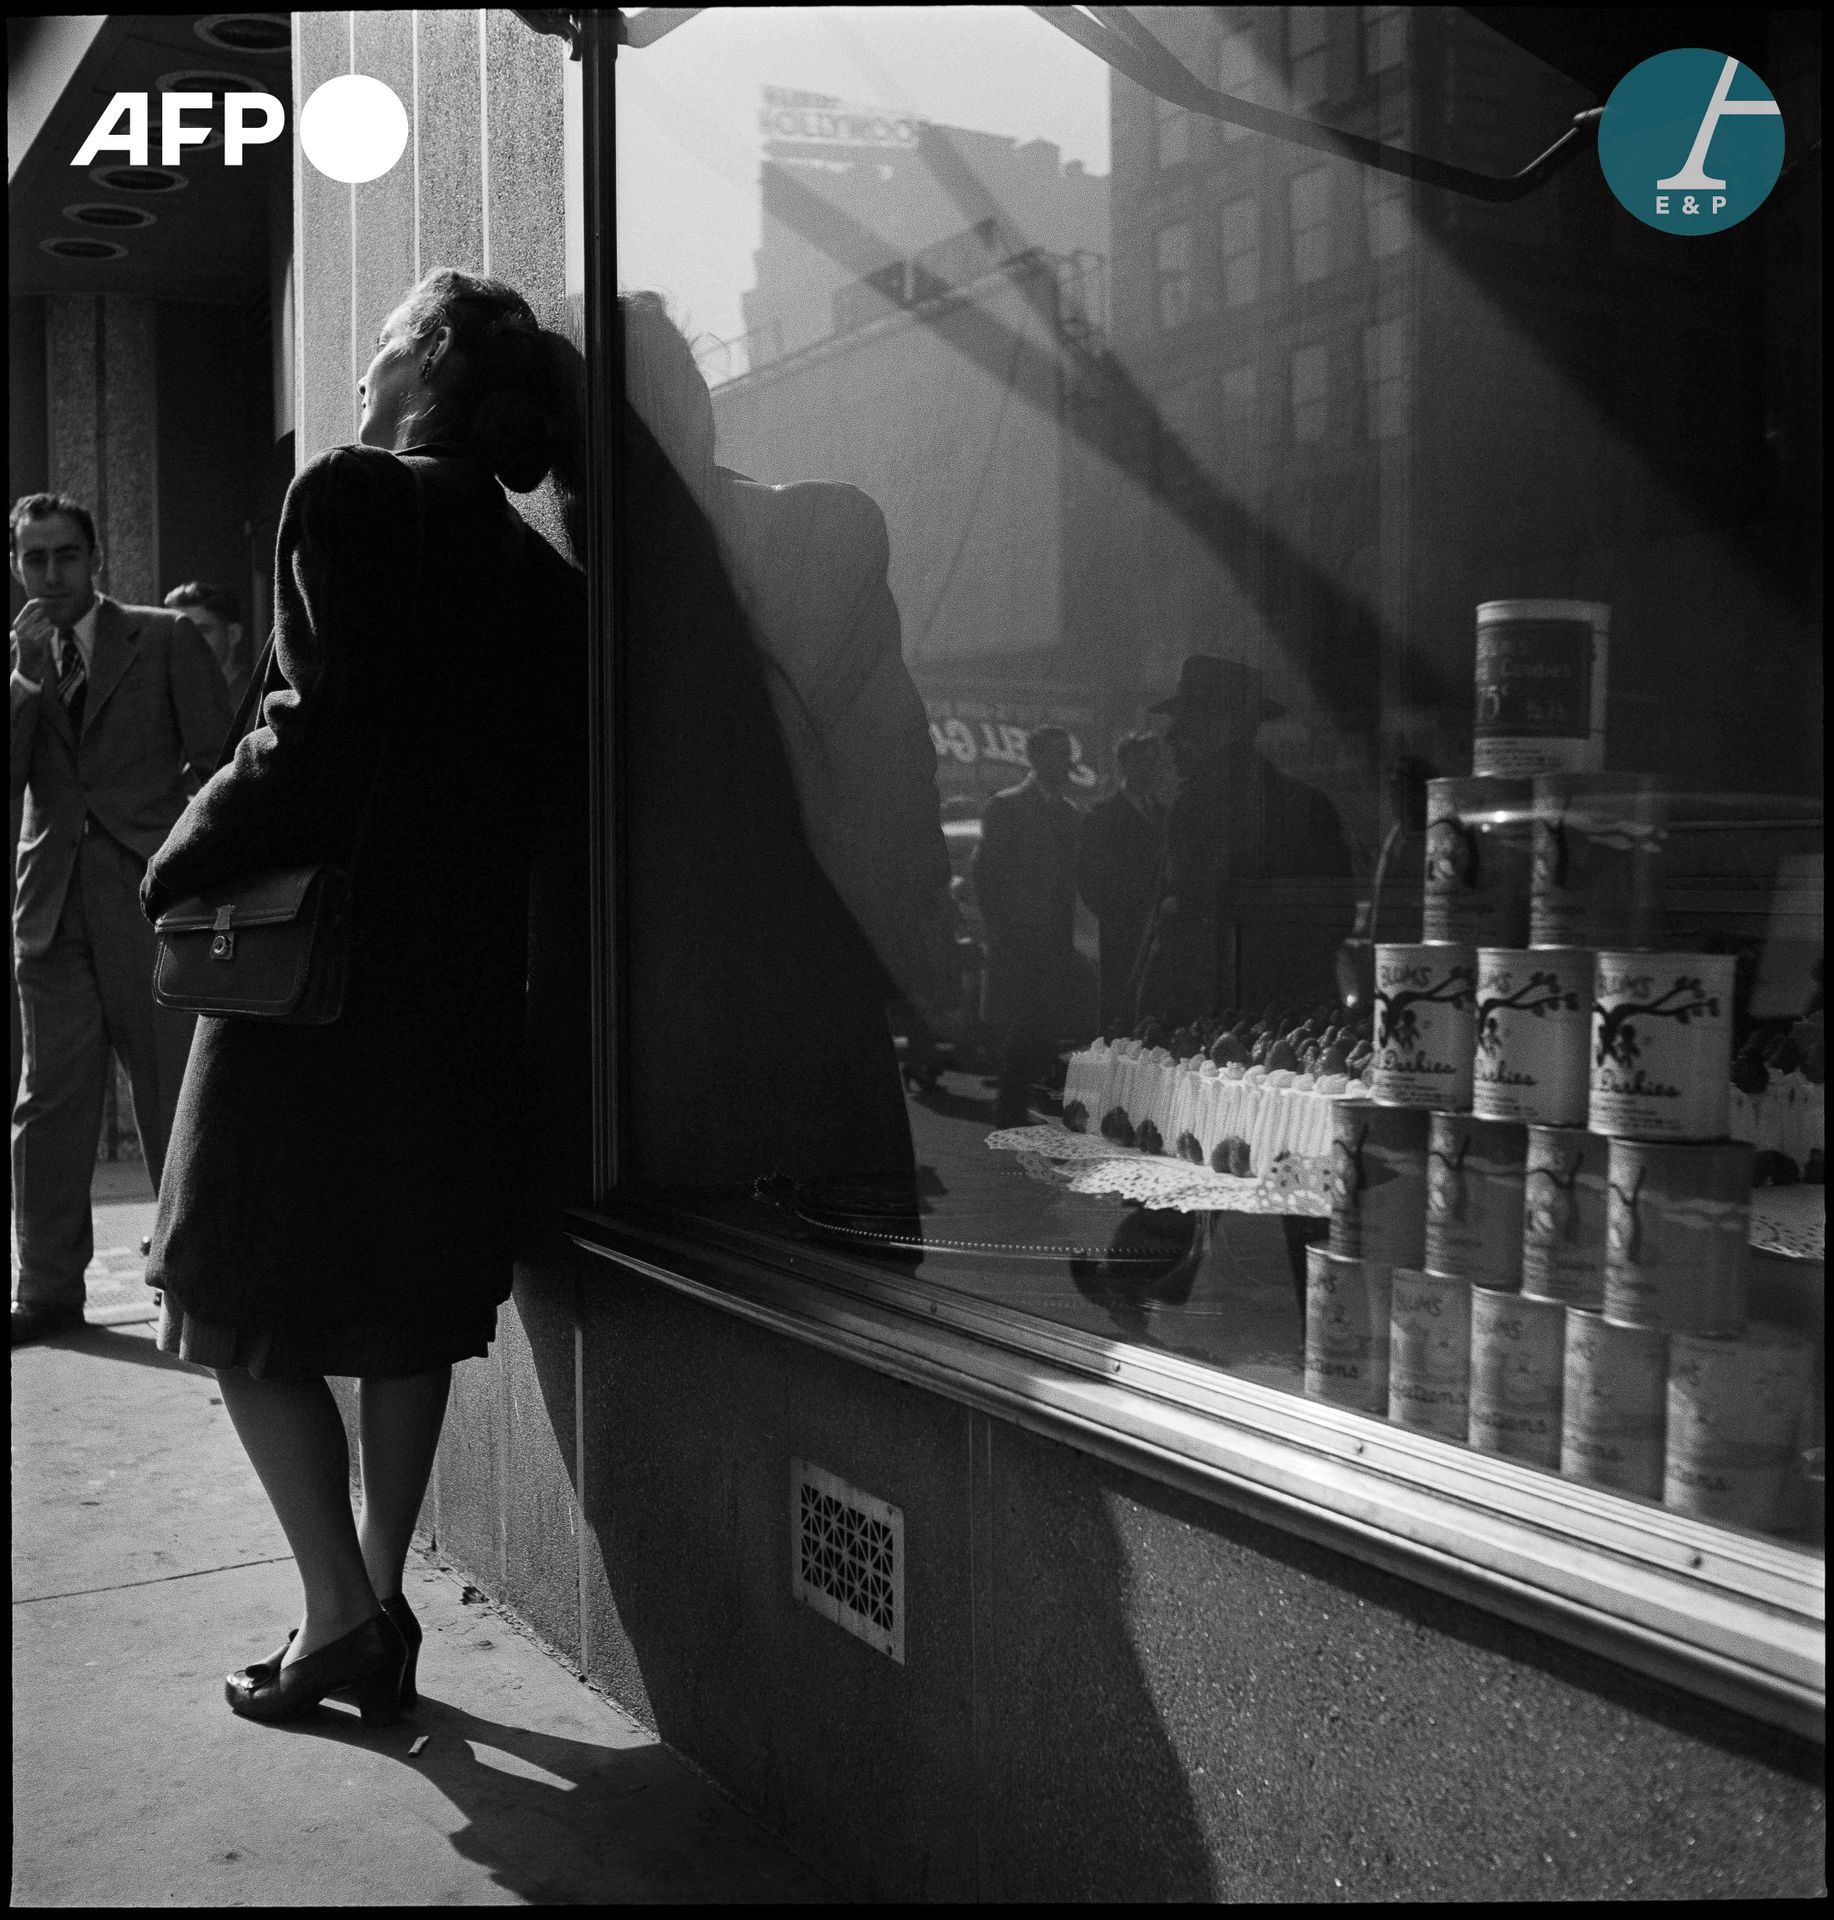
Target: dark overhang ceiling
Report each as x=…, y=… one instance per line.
x=207, y=241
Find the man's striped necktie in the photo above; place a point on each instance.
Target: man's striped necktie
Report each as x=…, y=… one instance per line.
x=72, y=676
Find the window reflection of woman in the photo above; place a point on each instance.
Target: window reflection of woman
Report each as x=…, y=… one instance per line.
x=342, y=1199
x=788, y=875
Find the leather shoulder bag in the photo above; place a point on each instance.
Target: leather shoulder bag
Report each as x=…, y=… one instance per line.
x=273, y=947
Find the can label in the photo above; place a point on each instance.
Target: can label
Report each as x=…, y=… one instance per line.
x=1735, y=1410
x=1423, y=1026
x=1516, y=1365
x=1597, y=848
x=1474, y=1183
x=1533, y=1021
x=1540, y=686
x=1614, y=1391
x=1563, y=1216
x=1477, y=862
x=1429, y=1353
x=1677, y=1236
x=1378, y=1183
x=1661, y=1058
x=1346, y=1331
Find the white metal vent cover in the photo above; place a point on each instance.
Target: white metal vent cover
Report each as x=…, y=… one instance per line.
x=847, y=1557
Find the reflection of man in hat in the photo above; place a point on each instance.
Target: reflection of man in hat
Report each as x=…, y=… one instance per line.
x=1235, y=819
x=1036, y=986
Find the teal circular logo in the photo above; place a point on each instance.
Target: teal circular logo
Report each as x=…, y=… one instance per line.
x=1691, y=141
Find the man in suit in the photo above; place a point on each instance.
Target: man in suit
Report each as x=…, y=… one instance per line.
x=117, y=714
x=216, y=612
x=1025, y=881
x=1116, y=867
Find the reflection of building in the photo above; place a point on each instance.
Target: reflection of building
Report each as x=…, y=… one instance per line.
x=914, y=331
x=1370, y=406
x=849, y=193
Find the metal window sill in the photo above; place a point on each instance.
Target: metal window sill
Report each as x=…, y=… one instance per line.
x=1736, y=1618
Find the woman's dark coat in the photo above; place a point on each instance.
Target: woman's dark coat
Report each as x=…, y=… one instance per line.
x=372, y=1172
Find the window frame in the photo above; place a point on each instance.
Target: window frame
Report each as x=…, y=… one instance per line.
x=1735, y=1618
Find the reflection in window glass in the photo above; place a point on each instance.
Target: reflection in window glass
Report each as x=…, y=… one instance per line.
x=1308, y=54
x=1240, y=233
x=1311, y=372
x=1238, y=73
x=1384, y=213
x=1384, y=38
x=1174, y=134
x=1385, y=376
x=1172, y=251
x=950, y=491
x=1309, y=210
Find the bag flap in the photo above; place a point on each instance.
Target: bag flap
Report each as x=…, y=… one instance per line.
x=266, y=900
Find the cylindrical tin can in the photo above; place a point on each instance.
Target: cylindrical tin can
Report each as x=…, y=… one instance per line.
x=1378, y=1183
x=1429, y=1352
x=1516, y=1361
x=1563, y=1216
x=1423, y=1029
x=1677, y=1236
x=1734, y=1416
x=1474, y=1175
x=1477, y=862
x=1346, y=1331
x=1614, y=1389
x=1598, y=842
x=1661, y=1059
x=1540, y=686
x=1534, y=1021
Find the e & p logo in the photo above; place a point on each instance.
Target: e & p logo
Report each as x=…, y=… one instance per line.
x=1690, y=141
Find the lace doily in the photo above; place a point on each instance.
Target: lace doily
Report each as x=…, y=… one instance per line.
x=1089, y=1163
x=1785, y=1220
x=1791, y=1221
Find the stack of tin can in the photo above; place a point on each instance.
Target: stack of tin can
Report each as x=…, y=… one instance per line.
x=1539, y=1229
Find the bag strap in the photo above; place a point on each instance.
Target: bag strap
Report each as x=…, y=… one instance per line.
x=257, y=683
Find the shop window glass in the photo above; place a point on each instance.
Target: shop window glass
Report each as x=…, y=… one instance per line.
x=1309, y=215
x=1238, y=73
x=1385, y=379
x=1308, y=52
x=1385, y=218
x=1174, y=134
x=1384, y=38
x=887, y=992
x=1240, y=235
x=1172, y=255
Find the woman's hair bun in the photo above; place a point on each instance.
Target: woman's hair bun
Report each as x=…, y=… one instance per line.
x=516, y=435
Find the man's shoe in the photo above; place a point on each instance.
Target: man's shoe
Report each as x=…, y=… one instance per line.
x=43, y=1323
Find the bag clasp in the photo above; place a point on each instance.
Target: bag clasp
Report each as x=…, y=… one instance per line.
x=222, y=934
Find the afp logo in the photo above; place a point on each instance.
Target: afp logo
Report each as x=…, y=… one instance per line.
x=249, y=120
x=1691, y=141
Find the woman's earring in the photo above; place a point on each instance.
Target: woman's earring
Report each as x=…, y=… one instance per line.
x=426, y=368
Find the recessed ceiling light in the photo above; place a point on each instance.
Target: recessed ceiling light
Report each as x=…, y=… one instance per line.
x=96, y=213
x=214, y=83
x=69, y=247
x=246, y=32
x=128, y=179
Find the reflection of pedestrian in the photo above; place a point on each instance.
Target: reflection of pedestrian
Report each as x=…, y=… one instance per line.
x=216, y=612
x=1025, y=880
x=1115, y=871
x=785, y=872
x=343, y=1199
x=1235, y=818
x=116, y=712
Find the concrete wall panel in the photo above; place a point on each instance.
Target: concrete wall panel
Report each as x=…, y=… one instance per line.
x=541, y=1514
x=322, y=240
x=383, y=259
x=450, y=122
x=72, y=344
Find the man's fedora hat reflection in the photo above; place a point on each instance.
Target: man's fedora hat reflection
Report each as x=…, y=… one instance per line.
x=1209, y=684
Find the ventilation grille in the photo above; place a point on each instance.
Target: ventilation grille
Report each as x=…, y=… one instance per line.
x=847, y=1557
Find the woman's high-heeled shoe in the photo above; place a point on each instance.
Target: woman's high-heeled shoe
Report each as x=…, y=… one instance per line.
x=398, y=1610
x=369, y=1661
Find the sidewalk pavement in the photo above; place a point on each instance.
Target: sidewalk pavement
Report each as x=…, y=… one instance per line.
x=147, y=1564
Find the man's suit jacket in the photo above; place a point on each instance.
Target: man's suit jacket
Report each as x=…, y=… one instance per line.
x=155, y=719
x=1115, y=872
x=1024, y=874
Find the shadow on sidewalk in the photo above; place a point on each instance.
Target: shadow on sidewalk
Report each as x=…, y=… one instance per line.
x=125, y=1342
x=564, y=1822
